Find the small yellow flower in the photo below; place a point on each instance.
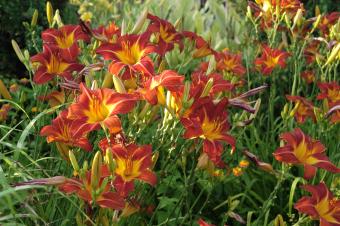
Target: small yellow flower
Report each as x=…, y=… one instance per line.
x=237, y=171
x=244, y=164
x=35, y=109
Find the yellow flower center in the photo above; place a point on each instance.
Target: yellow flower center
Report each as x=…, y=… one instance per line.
x=98, y=110
x=211, y=129
x=304, y=154
x=55, y=66
x=272, y=61
x=128, y=169
x=65, y=41
x=130, y=55
x=165, y=35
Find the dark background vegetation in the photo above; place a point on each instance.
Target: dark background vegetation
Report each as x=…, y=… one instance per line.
x=13, y=13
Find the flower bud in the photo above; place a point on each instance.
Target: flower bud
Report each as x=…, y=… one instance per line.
x=119, y=86
x=96, y=170
x=140, y=22
x=333, y=55
x=57, y=19
x=317, y=11
x=154, y=159
x=4, y=91
x=249, y=13
x=207, y=87
x=178, y=23
x=34, y=18
x=107, y=82
x=279, y=221
x=298, y=18
x=49, y=13
x=18, y=51
x=109, y=160
x=73, y=160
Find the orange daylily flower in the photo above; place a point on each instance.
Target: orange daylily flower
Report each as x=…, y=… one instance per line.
x=201, y=222
x=4, y=112
x=226, y=61
x=132, y=163
x=303, y=108
x=200, y=79
x=109, y=33
x=83, y=189
x=327, y=21
x=300, y=149
x=51, y=63
x=65, y=38
x=67, y=132
x=270, y=59
x=308, y=76
x=98, y=106
x=54, y=98
x=153, y=88
x=208, y=121
x=166, y=34
x=202, y=47
x=331, y=92
x=322, y=205
x=130, y=52
x=290, y=7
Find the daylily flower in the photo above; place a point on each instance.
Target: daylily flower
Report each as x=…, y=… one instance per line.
x=308, y=76
x=327, y=21
x=101, y=106
x=202, y=47
x=153, y=89
x=84, y=190
x=303, y=108
x=130, y=52
x=200, y=79
x=65, y=38
x=201, y=222
x=208, y=121
x=226, y=61
x=4, y=112
x=109, y=33
x=311, y=51
x=329, y=91
x=166, y=34
x=132, y=163
x=322, y=205
x=290, y=7
x=66, y=133
x=300, y=149
x=54, y=98
x=270, y=59
x=51, y=63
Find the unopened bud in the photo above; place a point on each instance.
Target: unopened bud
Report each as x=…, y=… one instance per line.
x=107, y=82
x=34, y=18
x=123, y=28
x=317, y=11
x=18, y=51
x=73, y=160
x=96, y=170
x=57, y=19
x=109, y=160
x=49, y=13
x=212, y=65
x=207, y=87
x=140, y=22
x=298, y=18
x=316, y=23
x=119, y=86
x=284, y=111
x=4, y=91
x=333, y=55
x=296, y=107
x=279, y=221
x=249, y=13
x=154, y=159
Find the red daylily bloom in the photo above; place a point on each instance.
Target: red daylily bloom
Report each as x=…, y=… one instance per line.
x=130, y=52
x=330, y=92
x=209, y=122
x=327, y=21
x=300, y=149
x=270, y=59
x=202, y=47
x=166, y=34
x=98, y=106
x=226, y=61
x=109, y=33
x=200, y=79
x=54, y=98
x=290, y=7
x=65, y=38
x=308, y=76
x=132, y=163
x=201, y=222
x=51, y=64
x=322, y=205
x=153, y=89
x=67, y=132
x=84, y=190
x=303, y=108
